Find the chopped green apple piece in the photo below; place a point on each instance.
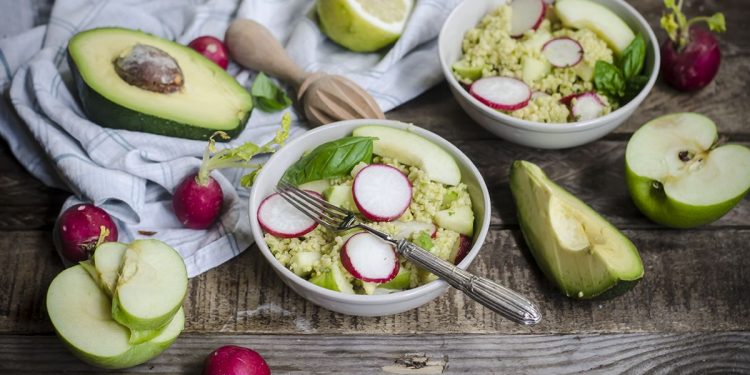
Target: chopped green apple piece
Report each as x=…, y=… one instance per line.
x=466, y=72
x=369, y=287
x=401, y=281
x=107, y=262
x=679, y=177
x=578, y=250
x=334, y=279
x=303, y=262
x=459, y=219
x=411, y=149
x=151, y=286
x=534, y=69
x=341, y=196
x=80, y=313
x=318, y=186
x=586, y=14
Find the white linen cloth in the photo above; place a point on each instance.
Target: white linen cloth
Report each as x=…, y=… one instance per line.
x=131, y=174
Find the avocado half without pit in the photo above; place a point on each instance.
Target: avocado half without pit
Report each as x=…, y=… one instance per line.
x=578, y=250
x=128, y=79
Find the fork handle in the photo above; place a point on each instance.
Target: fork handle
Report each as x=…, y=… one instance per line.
x=496, y=297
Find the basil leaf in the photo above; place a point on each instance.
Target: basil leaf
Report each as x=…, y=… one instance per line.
x=330, y=160
x=267, y=96
x=608, y=80
x=634, y=86
x=633, y=58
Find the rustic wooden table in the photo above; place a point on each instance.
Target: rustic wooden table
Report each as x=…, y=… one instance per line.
x=690, y=313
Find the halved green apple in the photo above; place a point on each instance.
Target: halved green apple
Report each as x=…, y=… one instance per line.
x=80, y=313
x=412, y=149
x=576, y=248
x=677, y=174
x=107, y=261
x=151, y=286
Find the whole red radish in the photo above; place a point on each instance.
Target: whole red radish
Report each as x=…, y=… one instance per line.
x=78, y=231
x=198, y=198
x=197, y=201
x=213, y=48
x=235, y=360
x=691, y=55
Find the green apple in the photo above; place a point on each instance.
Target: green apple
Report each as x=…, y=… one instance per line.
x=151, y=285
x=401, y=281
x=459, y=219
x=334, y=279
x=80, y=313
x=587, y=14
x=679, y=177
x=411, y=149
x=318, y=186
x=578, y=250
x=341, y=196
x=107, y=262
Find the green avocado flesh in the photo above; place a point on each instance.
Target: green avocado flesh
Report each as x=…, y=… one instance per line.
x=209, y=100
x=582, y=253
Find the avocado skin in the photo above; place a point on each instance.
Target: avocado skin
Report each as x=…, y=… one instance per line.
x=112, y=115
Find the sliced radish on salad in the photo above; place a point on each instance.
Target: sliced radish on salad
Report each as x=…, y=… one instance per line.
x=539, y=94
x=563, y=52
x=279, y=218
x=406, y=229
x=525, y=15
x=587, y=106
x=369, y=259
x=381, y=192
x=460, y=249
x=503, y=93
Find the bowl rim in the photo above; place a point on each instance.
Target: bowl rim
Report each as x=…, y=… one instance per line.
x=358, y=299
x=567, y=127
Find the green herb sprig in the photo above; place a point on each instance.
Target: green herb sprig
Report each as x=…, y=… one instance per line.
x=267, y=96
x=623, y=80
x=678, y=26
x=330, y=160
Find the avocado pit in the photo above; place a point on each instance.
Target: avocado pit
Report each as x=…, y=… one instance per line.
x=149, y=68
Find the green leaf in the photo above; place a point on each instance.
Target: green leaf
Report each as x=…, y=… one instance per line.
x=608, y=80
x=717, y=23
x=267, y=96
x=633, y=58
x=424, y=241
x=249, y=179
x=330, y=160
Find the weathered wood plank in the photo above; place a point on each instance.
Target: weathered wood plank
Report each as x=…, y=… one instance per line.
x=696, y=353
x=594, y=172
x=695, y=281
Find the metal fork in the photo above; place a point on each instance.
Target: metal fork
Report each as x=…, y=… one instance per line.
x=498, y=298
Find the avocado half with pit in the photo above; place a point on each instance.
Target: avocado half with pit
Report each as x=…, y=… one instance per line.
x=128, y=79
x=578, y=250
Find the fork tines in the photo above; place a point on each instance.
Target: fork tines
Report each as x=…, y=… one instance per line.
x=330, y=216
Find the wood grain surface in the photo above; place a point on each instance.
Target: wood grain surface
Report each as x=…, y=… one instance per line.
x=690, y=313
x=696, y=353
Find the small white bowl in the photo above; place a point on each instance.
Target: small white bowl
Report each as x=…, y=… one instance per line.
x=529, y=133
x=364, y=305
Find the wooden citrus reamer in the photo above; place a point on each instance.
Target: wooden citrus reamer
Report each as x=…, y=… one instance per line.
x=325, y=98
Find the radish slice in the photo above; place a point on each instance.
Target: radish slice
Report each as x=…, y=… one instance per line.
x=279, y=218
x=503, y=93
x=588, y=106
x=562, y=52
x=407, y=229
x=368, y=258
x=461, y=248
x=381, y=192
x=525, y=15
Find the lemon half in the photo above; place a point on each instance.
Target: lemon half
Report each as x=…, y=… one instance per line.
x=364, y=25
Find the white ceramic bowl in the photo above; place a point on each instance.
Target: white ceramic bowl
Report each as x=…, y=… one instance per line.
x=364, y=305
x=528, y=133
